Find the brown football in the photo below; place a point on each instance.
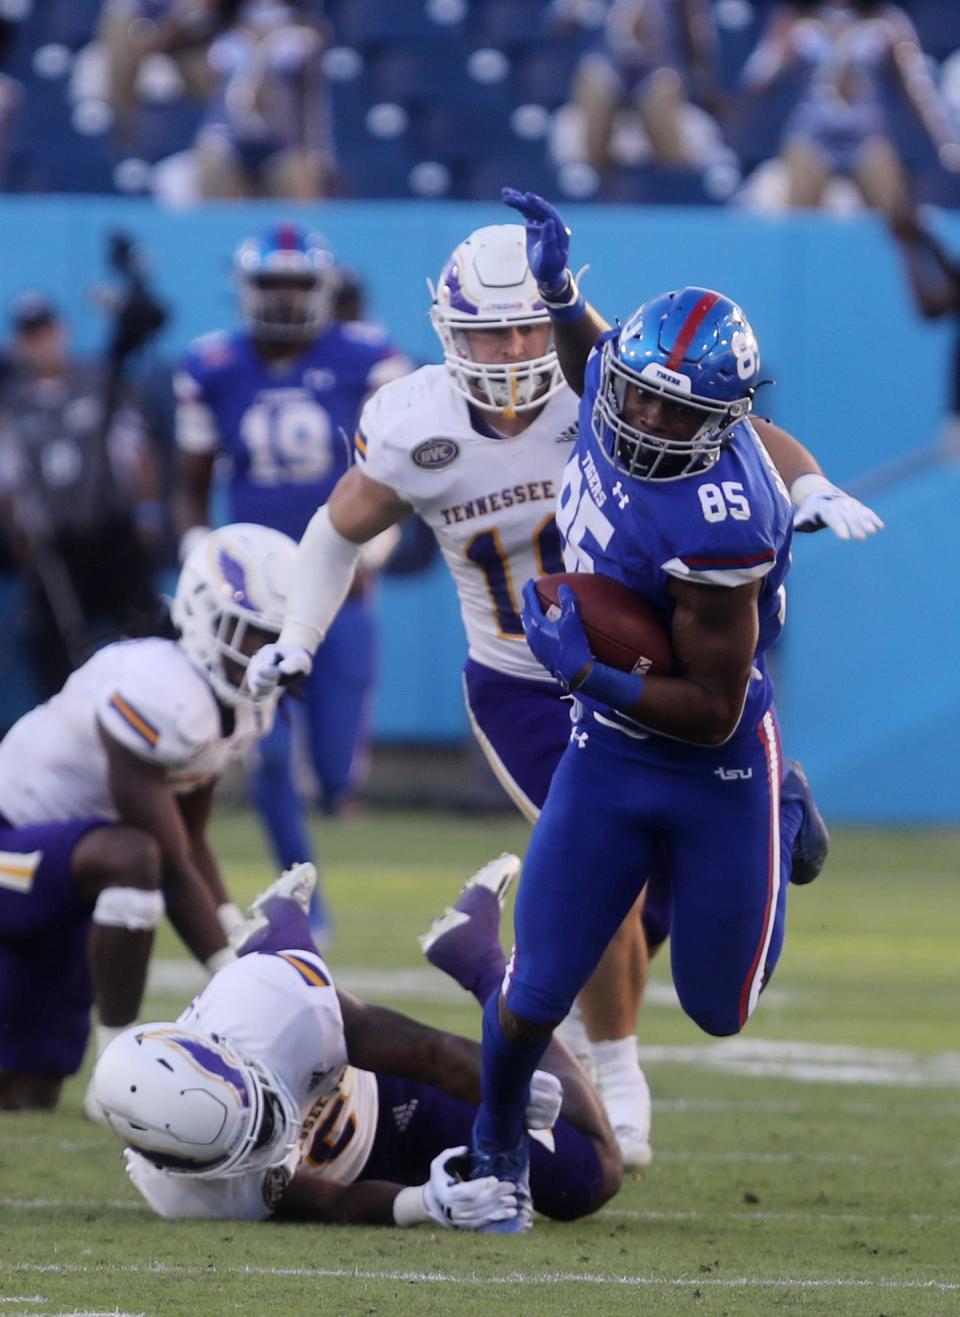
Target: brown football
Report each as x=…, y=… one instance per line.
x=622, y=628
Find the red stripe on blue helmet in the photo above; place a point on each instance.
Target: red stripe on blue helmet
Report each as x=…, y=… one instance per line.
x=693, y=322
x=288, y=237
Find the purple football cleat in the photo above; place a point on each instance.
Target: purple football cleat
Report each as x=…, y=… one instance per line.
x=464, y=941
x=278, y=920
x=812, y=841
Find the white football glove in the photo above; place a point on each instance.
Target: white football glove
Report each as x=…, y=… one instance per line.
x=466, y=1204
x=820, y=503
x=546, y=1095
x=275, y=665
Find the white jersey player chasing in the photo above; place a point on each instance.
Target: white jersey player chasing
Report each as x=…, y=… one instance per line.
x=477, y=447
x=275, y=1094
x=105, y=792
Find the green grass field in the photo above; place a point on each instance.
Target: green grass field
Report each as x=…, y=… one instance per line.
x=810, y=1166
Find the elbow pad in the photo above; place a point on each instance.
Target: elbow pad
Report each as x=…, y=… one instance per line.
x=323, y=574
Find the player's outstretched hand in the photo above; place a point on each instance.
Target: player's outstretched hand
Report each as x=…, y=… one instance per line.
x=558, y=641
x=548, y=239
x=277, y=665
x=829, y=506
x=546, y=1097
x=466, y=1204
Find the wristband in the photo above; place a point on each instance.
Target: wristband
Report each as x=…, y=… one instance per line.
x=566, y=305
x=409, y=1208
x=607, y=685
x=811, y=483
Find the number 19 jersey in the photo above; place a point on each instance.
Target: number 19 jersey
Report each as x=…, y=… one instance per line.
x=489, y=499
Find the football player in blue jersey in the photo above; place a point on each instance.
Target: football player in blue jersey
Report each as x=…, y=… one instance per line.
x=274, y=403
x=670, y=492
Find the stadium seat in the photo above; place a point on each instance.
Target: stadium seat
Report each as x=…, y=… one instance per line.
x=404, y=70
x=545, y=74
x=508, y=23
x=366, y=23
x=483, y=179
x=938, y=26
x=655, y=185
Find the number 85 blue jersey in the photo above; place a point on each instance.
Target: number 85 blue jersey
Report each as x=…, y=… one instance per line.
x=724, y=527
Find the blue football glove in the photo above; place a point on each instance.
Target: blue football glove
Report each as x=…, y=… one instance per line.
x=562, y=647
x=559, y=643
x=548, y=239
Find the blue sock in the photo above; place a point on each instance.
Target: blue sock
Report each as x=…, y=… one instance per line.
x=507, y=1069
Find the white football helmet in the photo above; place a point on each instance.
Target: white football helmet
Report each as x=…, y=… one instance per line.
x=487, y=284
x=234, y=581
x=191, y=1105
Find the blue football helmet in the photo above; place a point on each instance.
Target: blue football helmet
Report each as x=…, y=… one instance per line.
x=285, y=281
x=680, y=372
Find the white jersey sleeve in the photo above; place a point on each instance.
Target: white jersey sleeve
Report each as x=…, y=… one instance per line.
x=156, y=706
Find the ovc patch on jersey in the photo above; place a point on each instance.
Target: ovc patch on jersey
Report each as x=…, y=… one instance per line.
x=434, y=454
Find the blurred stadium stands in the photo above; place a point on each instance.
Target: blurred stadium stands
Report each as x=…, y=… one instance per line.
x=434, y=98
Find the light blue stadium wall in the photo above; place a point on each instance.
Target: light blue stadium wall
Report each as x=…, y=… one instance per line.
x=867, y=668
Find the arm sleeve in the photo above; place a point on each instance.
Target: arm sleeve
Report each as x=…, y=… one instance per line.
x=323, y=574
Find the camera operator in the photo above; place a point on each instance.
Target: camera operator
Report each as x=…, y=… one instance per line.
x=80, y=491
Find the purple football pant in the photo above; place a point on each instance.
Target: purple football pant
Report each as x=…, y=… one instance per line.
x=417, y=1121
x=45, y=992
x=523, y=728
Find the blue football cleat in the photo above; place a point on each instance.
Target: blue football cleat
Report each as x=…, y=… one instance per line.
x=513, y=1166
x=812, y=841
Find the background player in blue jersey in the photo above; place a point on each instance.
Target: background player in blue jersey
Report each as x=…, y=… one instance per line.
x=276, y=404
x=670, y=492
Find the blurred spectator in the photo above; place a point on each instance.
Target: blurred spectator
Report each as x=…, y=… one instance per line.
x=268, y=133
x=79, y=493
x=934, y=279
x=848, y=57
x=134, y=31
x=656, y=57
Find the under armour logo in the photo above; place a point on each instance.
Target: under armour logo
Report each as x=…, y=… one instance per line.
x=733, y=774
x=404, y=1112
x=581, y=738
x=618, y=493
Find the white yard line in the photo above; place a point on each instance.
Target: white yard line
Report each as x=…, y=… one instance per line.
x=510, y=1278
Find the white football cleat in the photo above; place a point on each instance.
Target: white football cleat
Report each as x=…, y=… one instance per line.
x=494, y=878
x=271, y=909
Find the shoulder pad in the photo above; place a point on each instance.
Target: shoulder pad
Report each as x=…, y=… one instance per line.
x=156, y=705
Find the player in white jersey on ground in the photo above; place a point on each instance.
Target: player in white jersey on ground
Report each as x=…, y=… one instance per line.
x=105, y=791
x=477, y=447
x=276, y=1095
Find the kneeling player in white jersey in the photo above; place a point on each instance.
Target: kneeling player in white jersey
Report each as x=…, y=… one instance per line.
x=477, y=447
x=105, y=792
x=276, y=1095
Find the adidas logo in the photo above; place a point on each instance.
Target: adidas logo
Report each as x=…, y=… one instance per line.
x=404, y=1112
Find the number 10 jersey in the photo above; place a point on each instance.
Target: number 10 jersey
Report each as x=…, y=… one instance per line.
x=489, y=499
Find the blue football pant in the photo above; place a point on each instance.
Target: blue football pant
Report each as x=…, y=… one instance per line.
x=333, y=708
x=613, y=801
